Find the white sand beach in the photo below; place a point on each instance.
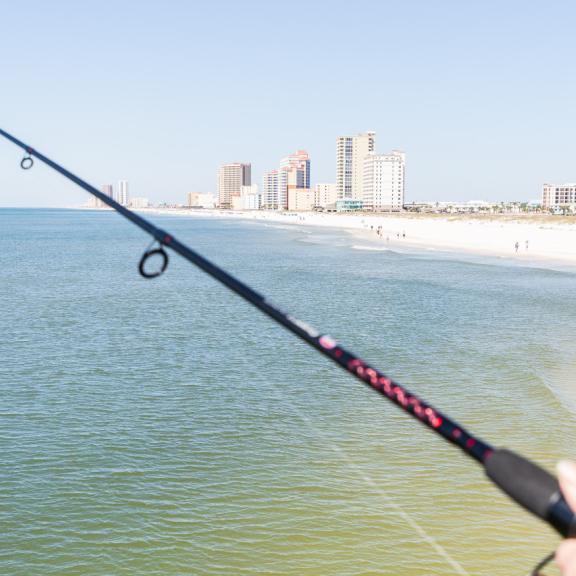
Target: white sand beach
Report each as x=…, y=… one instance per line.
x=539, y=237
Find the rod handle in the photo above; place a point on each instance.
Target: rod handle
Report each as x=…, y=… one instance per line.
x=532, y=487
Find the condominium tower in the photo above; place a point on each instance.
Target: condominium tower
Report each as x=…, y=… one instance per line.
x=231, y=177
x=294, y=173
x=383, y=186
x=350, y=154
x=270, y=190
x=122, y=195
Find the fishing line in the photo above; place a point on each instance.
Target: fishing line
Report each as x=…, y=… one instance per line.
x=343, y=455
x=526, y=483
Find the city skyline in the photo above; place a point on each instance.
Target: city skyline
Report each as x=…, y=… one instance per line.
x=477, y=119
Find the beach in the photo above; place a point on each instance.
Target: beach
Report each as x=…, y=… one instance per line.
x=524, y=238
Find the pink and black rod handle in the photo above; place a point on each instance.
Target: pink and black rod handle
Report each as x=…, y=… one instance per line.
x=525, y=482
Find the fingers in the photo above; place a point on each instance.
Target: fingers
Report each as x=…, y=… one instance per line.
x=566, y=557
x=567, y=478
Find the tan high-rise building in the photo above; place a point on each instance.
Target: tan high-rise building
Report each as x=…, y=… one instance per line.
x=350, y=154
x=231, y=178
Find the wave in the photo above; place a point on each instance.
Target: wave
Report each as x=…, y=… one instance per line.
x=371, y=248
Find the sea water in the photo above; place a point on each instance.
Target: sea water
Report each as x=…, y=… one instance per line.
x=166, y=427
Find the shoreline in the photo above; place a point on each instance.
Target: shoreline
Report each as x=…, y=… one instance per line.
x=540, y=239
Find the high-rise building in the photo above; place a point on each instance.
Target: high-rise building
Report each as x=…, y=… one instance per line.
x=324, y=195
x=231, y=177
x=107, y=190
x=122, y=194
x=270, y=190
x=350, y=154
x=384, y=181
x=294, y=173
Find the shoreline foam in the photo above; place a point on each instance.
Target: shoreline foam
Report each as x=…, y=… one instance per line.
x=540, y=239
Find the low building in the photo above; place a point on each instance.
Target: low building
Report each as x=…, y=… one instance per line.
x=250, y=198
x=349, y=205
x=139, y=202
x=200, y=200
x=300, y=199
x=559, y=196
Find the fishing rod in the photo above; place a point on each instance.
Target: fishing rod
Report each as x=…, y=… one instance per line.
x=525, y=482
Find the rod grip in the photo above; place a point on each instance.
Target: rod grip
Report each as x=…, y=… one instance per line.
x=532, y=487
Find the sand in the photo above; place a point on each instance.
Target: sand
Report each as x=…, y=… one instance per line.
x=539, y=237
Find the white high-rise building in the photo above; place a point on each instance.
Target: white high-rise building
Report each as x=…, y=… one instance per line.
x=231, y=177
x=324, y=195
x=270, y=190
x=122, y=194
x=384, y=181
x=350, y=154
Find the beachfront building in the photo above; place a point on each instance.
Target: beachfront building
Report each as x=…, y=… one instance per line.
x=300, y=199
x=384, y=182
x=139, y=202
x=107, y=190
x=559, y=196
x=122, y=196
x=324, y=195
x=270, y=190
x=294, y=173
x=200, y=200
x=348, y=205
x=231, y=177
x=250, y=198
x=350, y=154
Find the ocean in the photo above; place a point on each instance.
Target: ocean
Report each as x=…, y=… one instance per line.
x=165, y=427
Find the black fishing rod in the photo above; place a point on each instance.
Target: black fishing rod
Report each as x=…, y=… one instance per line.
x=526, y=483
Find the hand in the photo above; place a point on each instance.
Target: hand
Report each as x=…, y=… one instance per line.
x=566, y=552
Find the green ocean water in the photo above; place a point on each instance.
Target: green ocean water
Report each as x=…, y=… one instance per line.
x=166, y=428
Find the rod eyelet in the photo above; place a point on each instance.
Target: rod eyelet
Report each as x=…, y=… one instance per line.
x=26, y=163
x=157, y=251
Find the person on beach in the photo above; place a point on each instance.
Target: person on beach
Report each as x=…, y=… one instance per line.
x=526, y=244
x=516, y=246
x=566, y=552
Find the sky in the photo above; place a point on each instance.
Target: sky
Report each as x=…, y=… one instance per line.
x=480, y=95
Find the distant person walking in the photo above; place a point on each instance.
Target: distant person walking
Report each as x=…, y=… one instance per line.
x=516, y=246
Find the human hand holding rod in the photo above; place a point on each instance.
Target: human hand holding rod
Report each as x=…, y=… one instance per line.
x=566, y=552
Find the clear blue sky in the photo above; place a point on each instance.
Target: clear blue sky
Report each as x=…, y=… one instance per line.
x=480, y=95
